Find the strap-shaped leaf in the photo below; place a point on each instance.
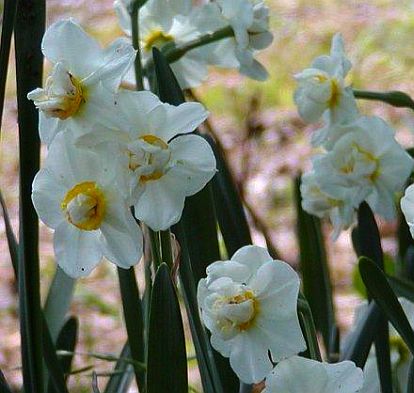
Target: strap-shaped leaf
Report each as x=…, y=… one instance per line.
x=121, y=379
x=131, y=303
x=66, y=341
x=377, y=285
x=9, y=13
x=167, y=358
x=410, y=384
x=11, y=238
x=369, y=245
x=402, y=287
x=315, y=269
x=28, y=33
x=58, y=301
x=229, y=208
x=359, y=344
x=54, y=367
x=199, y=228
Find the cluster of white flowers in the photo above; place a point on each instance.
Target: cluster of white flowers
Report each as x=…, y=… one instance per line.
x=361, y=161
x=249, y=304
x=167, y=23
x=109, y=149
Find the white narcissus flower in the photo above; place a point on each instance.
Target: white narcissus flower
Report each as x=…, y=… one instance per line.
x=368, y=163
x=79, y=91
x=340, y=209
x=161, y=167
x=322, y=87
x=167, y=22
x=299, y=375
x=249, y=304
x=249, y=20
x=407, y=207
x=76, y=195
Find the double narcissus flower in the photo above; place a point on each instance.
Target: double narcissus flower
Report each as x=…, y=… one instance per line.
x=77, y=195
x=249, y=304
x=368, y=163
x=160, y=166
x=167, y=22
x=80, y=88
x=339, y=208
x=299, y=375
x=407, y=207
x=322, y=89
x=249, y=20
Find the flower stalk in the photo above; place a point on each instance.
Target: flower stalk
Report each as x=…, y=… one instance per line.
x=309, y=328
x=136, y=5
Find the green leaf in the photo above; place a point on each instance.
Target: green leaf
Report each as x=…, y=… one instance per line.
x=210, y=377
x=377, y=285
x=402, y=287
x=394, y=98
x=315, y=269
x=359, y=344
x=54, y=367
x=132, y=306
x=9, y=14
x=229, y=208
x=66, y=341
x=410, y=384
x=58, y=301
x=121, y=378
x=369, y=245
x=28, y=33
x=167, y=357
x=4, y=386
x=11, y=238
x=199, y=229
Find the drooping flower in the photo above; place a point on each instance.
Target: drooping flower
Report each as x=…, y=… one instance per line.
x=80, y=88
x=298, y=375
x=322, y=87
x=368, y=163
x=167, y=22
x=339, y=208
x=249, y=20
x=76, y=194
x=161, y=167
x=249, y=304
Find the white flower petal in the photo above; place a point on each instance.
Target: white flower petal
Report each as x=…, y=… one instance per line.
x=77, y=252
x=65, y=41
x=161, y=204
x=47, y=194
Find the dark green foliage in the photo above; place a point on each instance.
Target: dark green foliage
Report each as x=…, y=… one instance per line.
x=167, y=357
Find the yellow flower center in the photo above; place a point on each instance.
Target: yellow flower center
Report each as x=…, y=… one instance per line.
x=84, y=206
x=245, y=297
x=335, y=94
x=69, y=103
x=156, y=38
x=361, y=154
x=156, y=160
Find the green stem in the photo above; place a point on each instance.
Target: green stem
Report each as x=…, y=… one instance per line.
x=135, y=42
x=155, y=247
x=166, y=248
x=173, y=53
x=309, y=328
x=394, y=98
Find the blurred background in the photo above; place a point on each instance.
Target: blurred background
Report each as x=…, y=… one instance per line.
x=266, y=144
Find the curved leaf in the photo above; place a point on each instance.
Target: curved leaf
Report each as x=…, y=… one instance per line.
x=167, y=358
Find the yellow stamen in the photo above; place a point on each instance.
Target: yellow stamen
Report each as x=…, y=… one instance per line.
x=84, y=206
x=246, y=296
x=156, y=38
